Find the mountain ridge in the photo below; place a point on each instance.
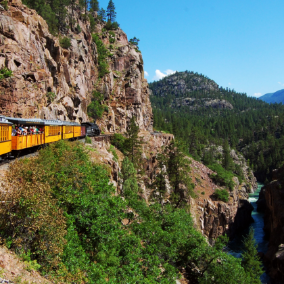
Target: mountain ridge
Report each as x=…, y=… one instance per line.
x=276, y=97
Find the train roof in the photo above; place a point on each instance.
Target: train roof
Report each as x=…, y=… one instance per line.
x=3, y=120
x=38, y=121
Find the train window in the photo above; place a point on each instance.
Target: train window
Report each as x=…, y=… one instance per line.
x=4, y=133
x=68, y=129
x=54, y=130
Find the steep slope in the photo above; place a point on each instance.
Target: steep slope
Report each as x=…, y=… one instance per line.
x=55, y=83
x=277, y=97
x=201, y=113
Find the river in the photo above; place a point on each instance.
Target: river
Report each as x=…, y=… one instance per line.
x=235, y=246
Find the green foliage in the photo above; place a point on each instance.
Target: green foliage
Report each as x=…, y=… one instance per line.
x=50, y=97
x=78, y=28
x=94, y=4
x=222, y=177
x=102, y=58
x=30, y=264
x=111, y=11
x=133, y=144
x=118, y=141
x=222, y=194
x=92, y=23
x=112, y=150
x=5, y=5
x=111, y=37
x=102, y=14
x=5, y=73
x=88, y=140
x=250, y=259
x=96, y=108
x=71, y=222
x=65, y=42
x=178, y=168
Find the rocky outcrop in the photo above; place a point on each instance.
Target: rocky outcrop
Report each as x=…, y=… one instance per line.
x=55, y=83
x=273, y=195
x=182, y=83
x=194, y=104
x=213, y=217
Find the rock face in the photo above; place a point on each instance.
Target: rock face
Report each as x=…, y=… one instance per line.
x=194, y=104
x=273, y=195
x=182, y=83
x=55, y=83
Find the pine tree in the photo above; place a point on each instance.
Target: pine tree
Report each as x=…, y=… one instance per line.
x=129, y=184
x=111, y=11
x=133, y=144
x=178, y=168
x=94, y=4
x=227, y=159
x=102, y=14
x=250, y=259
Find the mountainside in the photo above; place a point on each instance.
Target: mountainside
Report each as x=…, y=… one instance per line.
x=202, y=114
x=277, y=97
x=53, y=82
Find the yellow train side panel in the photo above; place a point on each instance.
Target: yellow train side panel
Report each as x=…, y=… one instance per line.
x=68, y=136
x=50, y=139
x=77, y=131
x=27, y=141
x=5, y=147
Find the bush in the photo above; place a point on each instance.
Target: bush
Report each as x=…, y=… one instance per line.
x=223, y=177
x=5, y=73
x=112, y=150
x=222, y=194
x=118, y=141
x=5, y=5
x=65, y=42
x=78, y=28
x=50, y=97
x=102, y=58
x=88, y=140
x=96, y=108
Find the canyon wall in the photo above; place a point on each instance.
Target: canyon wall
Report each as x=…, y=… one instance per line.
x=51, y=82
x=271, y=202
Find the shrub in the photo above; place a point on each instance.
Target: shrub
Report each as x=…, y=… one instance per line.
x=111, y=40
x=5, y=73
x=50, y=97
x=222, y=177
x=78, y=28
x=5, y=5
x=96, y=108
x=65, y=42
x=112, y=150
x=118, y=141
x=102, y=58
x=88, y=140
x=222, y=194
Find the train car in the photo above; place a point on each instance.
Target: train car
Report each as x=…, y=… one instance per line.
x=5, y=137
x=92, y=129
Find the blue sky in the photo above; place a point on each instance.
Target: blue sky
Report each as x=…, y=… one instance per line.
x=238, y=44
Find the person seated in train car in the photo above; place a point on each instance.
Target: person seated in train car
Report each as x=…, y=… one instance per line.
x=26, y=130
x=14, y=131
x=29, y=130
x=41, y=130
x=36, y=130
x=19, y=132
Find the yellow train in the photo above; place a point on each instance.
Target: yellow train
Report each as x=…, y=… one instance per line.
x=51, y=131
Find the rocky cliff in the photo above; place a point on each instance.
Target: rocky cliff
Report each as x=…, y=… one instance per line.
x=55, y=83
x=271, y=202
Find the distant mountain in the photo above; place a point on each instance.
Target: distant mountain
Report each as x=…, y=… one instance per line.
x=277, y=97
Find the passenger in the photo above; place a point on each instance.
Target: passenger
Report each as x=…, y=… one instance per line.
x=14, y=132
x=41, y=130
x=19, y=132
x=36, y=130
x=26, y=130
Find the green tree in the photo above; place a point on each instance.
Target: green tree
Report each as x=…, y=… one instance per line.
x=94, y=4
x=227, y=159
x=178, y=168
x=96, y=108
x=102, y=14
x=133, y=144
x=250, y=259
x=129, y=184
x=111, y=11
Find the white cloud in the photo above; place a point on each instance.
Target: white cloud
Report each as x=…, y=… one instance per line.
x=257, y=95
x=229, y=84
x=280, y=83
x=159, y=75
x=146, y=73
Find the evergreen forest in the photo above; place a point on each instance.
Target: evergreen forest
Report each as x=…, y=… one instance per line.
x=204, y=115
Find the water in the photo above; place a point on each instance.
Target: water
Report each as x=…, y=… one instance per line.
x=235, y=246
